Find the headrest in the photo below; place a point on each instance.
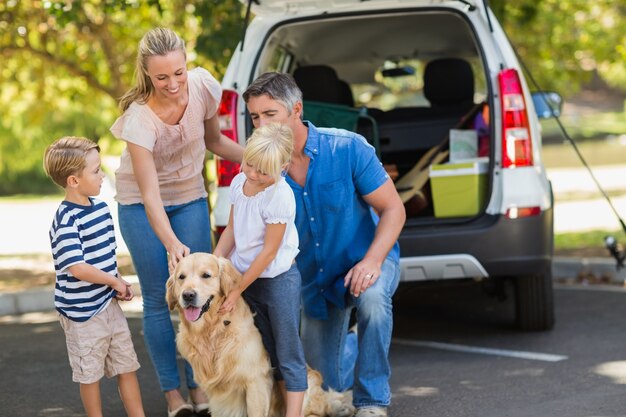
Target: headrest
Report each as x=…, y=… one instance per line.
x=448, y=82
x=318, y=83
x=345, y=94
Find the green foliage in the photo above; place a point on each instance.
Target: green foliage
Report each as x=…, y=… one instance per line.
x=66, y=62
x=564, y=42
x=220, y=31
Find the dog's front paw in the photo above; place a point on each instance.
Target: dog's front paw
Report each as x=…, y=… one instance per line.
x=343, y=410
x=340, y=404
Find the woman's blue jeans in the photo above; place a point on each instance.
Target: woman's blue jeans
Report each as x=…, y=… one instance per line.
x=346, y=362
x=190, y=223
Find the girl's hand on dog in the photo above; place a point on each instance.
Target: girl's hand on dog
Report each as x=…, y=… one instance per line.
x=229, y=302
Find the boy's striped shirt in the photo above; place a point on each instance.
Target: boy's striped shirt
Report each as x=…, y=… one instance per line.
x=82, y=234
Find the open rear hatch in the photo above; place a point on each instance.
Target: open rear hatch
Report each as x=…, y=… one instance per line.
x=418, y=93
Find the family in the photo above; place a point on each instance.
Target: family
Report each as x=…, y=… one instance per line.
x=313, y=228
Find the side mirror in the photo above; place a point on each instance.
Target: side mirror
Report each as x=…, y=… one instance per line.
x=548, y=104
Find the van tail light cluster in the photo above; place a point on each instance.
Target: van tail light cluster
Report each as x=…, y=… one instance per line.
x=227, y=115
x=218, y=231
x=519, y=212
x=516, y=141
x=517, y=148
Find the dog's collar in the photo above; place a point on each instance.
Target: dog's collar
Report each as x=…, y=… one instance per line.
x=206, y=306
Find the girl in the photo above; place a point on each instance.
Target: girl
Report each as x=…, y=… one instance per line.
x=262, y=242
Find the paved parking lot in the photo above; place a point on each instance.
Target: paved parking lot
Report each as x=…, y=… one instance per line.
x=455, y=353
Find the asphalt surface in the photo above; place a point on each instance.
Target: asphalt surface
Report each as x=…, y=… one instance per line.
x=455, y=353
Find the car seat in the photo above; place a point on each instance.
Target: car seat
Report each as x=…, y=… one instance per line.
x=449, y=86
x=325, y=100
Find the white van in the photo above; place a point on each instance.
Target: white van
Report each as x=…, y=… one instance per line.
x=436, y=88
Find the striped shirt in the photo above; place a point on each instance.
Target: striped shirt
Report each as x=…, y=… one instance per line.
x=82, y=234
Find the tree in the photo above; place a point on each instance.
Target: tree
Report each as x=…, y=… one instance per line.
x=65, y=62
x=565, y=42
x=70, y=61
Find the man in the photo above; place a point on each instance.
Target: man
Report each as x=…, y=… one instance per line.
x=349, y=256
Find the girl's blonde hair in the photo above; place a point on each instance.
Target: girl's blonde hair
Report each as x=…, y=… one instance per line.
x=269, y=148
x=67, y=156
x=158, y=41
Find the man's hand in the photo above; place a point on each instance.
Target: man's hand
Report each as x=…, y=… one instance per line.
x=362, y=276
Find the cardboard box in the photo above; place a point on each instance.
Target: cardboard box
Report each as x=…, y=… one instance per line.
x=463, y=145
x=458, y=189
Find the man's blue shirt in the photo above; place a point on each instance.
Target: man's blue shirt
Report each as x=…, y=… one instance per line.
x=335, y=225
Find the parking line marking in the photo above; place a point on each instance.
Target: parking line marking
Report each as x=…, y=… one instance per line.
x=519, y=354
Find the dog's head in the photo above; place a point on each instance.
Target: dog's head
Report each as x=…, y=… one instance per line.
x=199, y=283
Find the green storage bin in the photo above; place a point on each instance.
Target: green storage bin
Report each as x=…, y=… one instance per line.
x=459, y=189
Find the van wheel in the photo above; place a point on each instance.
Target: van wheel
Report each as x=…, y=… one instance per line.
x=534, y=302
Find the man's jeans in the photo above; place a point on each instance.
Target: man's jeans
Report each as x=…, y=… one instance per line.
x=336, y=354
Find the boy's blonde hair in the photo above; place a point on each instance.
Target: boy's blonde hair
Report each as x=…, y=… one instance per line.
x=66, y=156
x=269, y=148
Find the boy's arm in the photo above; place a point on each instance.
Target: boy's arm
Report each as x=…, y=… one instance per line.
x=273, y=237
x=85, y=272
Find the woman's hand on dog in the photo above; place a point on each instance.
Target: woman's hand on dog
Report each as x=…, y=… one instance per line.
x=229, y=302
x=176, y=251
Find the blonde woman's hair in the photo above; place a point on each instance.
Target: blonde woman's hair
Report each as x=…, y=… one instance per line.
x=269, y=148
x=67, y=156
x=158, y=41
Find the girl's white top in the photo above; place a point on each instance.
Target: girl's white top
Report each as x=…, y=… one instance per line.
x=251, y=215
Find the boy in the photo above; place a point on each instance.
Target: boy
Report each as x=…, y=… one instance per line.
x=87, y=283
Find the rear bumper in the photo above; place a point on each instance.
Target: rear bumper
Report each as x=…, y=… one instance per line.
x=486, y=247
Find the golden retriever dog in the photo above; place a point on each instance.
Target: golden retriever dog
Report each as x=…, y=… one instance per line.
x=226, y=352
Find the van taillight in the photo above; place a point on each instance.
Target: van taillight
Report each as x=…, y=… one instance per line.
x=520, y=212
x=227, y=114
x=516, y=141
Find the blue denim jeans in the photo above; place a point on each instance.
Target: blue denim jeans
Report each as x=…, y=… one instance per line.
x=276, y=304
x=190, y=223
x=346, y=362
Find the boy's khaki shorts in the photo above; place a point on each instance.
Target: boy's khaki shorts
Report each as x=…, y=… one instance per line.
x=100, y=346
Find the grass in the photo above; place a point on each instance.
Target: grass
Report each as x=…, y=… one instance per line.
x=574, y=240
x=20, y=198
x=599, y=140
x=597, y=152
x=588, y=126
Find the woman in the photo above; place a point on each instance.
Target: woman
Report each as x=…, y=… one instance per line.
x=169, y=120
